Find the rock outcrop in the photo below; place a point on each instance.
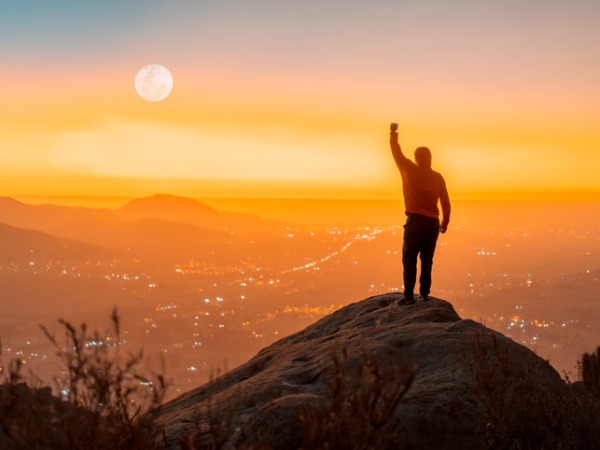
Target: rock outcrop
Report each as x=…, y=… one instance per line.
x=377, y=375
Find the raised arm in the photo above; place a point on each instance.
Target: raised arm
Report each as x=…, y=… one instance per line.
x=401, y=161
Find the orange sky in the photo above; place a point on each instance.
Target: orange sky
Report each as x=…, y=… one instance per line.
x=276, y=99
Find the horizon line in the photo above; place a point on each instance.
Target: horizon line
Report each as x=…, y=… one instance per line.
x=72, y=199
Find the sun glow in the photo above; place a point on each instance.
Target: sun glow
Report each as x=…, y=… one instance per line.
x=138, y=149
x=262, y=107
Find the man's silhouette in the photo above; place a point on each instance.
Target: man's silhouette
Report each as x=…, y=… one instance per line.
x=422, y=188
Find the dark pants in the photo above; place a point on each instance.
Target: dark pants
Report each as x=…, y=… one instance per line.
x=420, y=238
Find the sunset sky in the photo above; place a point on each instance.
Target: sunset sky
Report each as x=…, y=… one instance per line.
x=278, y=98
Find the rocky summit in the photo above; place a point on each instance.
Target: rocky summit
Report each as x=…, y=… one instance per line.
x=376, y=374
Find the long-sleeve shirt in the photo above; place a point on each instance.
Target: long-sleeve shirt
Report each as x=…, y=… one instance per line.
x=422, y=187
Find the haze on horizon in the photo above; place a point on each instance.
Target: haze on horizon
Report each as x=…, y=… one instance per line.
x=288, y=99
x=201, y=286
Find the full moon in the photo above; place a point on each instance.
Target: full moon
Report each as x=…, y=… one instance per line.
x=153, y=82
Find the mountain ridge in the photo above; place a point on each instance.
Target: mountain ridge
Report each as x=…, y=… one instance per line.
x=161, y=203
x=19, y=244
x=67, y=221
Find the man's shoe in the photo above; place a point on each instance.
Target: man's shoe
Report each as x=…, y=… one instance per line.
x=407, y=300
x=424, y=298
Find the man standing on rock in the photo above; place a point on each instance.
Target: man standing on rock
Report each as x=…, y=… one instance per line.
x=422, y=188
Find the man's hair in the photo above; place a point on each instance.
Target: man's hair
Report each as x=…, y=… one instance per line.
x=423, y=157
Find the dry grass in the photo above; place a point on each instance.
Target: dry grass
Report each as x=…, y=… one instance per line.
x=357, y=411
x=213, y=425
x=362, y=406
x=105, y=400
x=521, y=414
x=108, y=400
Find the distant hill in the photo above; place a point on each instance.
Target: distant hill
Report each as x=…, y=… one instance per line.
x=190, y=211
x=20, y=245
x=51, y=219
x=153, y=220
x=378, y=375
x=164, y=205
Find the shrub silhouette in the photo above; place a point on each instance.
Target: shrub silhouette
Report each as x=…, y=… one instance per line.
x=106, y=399
x=12, y=374
x=362, y=406
x=523, y=416
x=589, y=370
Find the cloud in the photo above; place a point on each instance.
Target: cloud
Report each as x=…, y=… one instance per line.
x=125, y=148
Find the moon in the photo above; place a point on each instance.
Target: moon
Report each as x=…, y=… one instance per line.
x=154, y=82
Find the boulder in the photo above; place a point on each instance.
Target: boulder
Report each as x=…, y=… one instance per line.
x=375, y=374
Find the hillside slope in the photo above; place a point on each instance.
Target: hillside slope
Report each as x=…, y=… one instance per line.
x=376, y=374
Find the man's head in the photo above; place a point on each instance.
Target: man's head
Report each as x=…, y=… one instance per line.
x=423, y=157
